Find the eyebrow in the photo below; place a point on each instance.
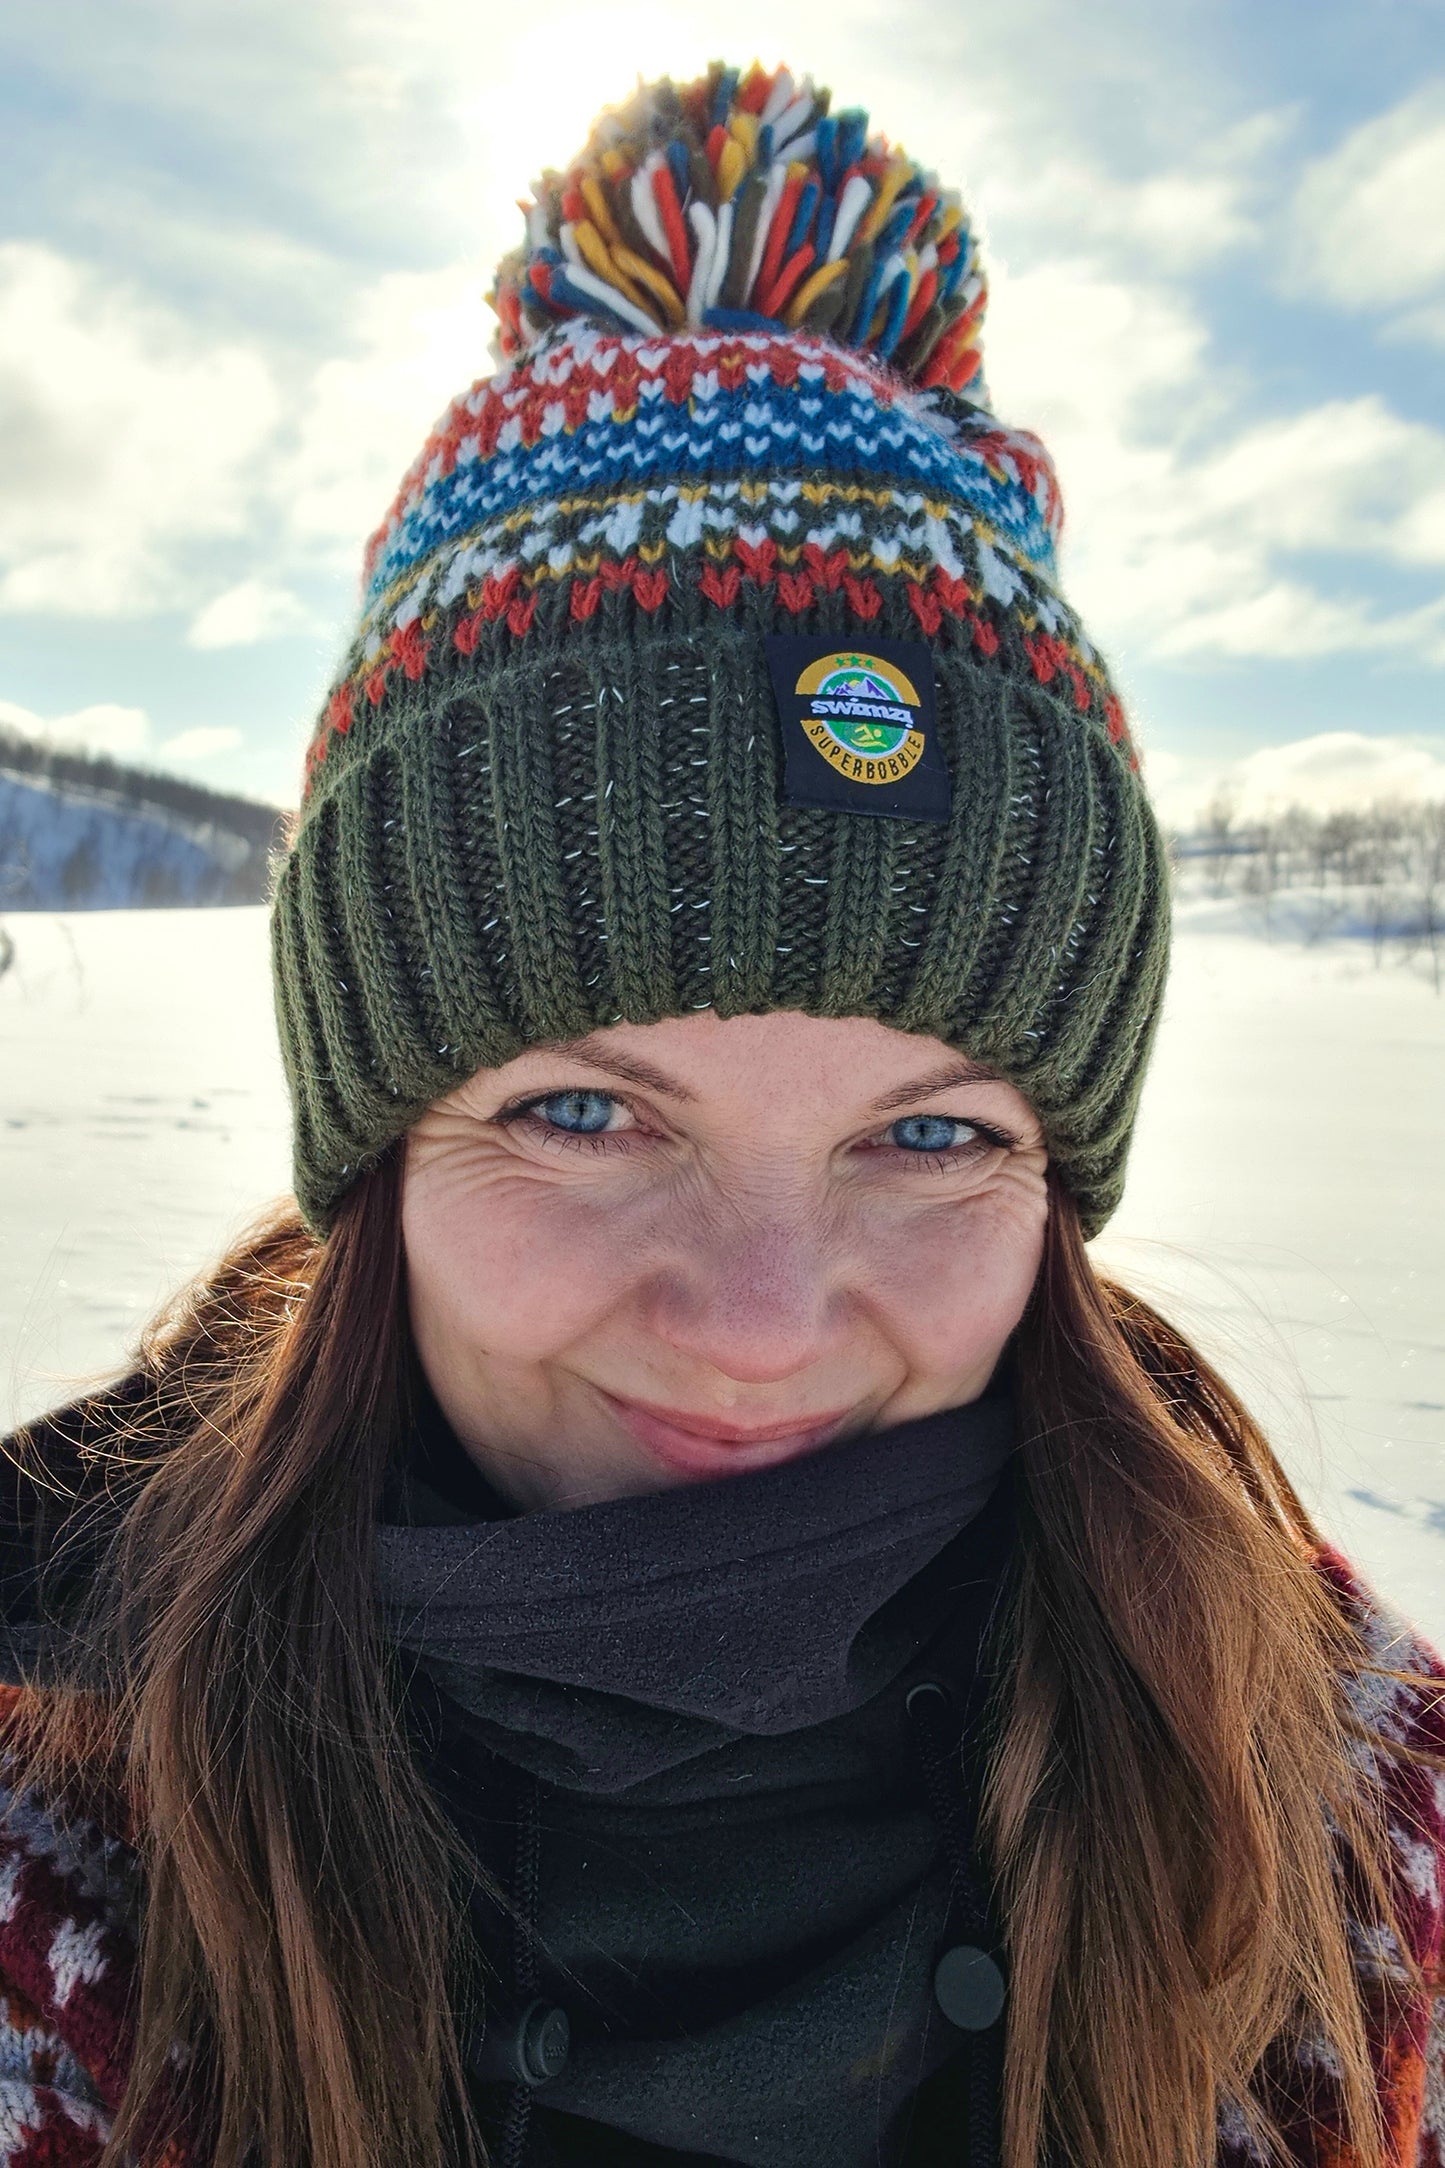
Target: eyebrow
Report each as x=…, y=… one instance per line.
x=952, y=1074
x=642, y=1073
x=608, y=1063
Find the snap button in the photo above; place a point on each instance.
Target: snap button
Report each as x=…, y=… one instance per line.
x=531, y=2050
x=968, y=1986
x=544, y=2042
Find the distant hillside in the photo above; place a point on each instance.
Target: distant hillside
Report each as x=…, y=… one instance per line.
x=81, y=832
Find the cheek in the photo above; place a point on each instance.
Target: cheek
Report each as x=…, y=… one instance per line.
x=505, y=1268
x=949, y=1289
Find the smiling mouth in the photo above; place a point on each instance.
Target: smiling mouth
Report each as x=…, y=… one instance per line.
x=703, y=1445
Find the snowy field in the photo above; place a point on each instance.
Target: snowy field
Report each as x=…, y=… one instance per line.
x=1287, y=1195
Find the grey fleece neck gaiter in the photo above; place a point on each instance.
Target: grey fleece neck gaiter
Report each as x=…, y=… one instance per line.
x=606, y=1645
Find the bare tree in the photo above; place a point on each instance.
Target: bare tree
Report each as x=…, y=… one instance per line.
x=1294, y=828
x=1430, y=890
x=1377, y=860
x=1260, y=878
x=1217, y=837
x=1376, y=871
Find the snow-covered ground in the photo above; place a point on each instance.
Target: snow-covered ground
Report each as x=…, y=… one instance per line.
x=1287, y=1196
x=142, y=1119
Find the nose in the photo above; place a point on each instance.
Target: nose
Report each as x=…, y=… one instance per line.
x=757, y=1306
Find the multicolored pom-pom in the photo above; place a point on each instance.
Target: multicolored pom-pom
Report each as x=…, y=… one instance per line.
x=741, y=203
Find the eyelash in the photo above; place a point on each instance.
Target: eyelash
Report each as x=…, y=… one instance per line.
x=599, y=1140
x=988, y=1139
x=603, y=1140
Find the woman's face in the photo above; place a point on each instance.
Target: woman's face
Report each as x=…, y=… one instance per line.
x=674, y=1251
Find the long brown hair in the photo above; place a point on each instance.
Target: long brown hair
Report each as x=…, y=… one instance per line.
x=1171, y=1739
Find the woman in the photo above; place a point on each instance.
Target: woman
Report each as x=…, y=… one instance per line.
x=668, y=1614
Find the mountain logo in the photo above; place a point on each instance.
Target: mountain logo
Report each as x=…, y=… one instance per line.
x=859, y=729
x=862, y=715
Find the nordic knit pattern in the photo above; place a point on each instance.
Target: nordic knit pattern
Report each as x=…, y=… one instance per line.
x=68, y=1917
x=545, y=794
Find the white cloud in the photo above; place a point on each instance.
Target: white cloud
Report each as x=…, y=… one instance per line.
x=202, y=743
x=1333, y=770
x=1347, y=474
x=1426, y=324
x=104, y=728
x=1181, y=218
x=125, y=438
x=1178, y=219
x=253, y=611
x=1337, y=769
x=416, y=340
x=1075, y=351
x=1369, y=219
x=1183, y=523
x=1289, y=621
x=124, y=733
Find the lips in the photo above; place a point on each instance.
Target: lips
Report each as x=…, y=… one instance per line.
x=699, y=1446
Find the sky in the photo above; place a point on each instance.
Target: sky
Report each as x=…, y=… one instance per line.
x=244, y=252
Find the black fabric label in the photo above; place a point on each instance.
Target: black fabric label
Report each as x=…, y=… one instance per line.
x=859, y=727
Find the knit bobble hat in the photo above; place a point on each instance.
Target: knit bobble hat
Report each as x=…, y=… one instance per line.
x=712, y=655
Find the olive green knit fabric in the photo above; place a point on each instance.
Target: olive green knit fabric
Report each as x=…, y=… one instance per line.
x=550, y=833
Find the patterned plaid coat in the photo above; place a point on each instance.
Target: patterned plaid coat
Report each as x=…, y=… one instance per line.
x=69, y=1901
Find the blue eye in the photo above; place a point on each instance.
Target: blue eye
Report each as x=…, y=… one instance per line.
x=930, y=1133
x=581, y=1114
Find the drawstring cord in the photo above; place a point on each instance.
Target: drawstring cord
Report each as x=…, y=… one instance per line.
x=525, y=1871
x=527, y=2044
x=969, y=1982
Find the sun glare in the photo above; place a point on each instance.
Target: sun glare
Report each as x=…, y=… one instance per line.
x=543, y=90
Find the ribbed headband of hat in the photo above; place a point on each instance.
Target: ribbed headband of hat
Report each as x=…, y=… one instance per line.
x=712, y=655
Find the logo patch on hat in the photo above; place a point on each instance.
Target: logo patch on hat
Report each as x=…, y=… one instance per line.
x=859, y=727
